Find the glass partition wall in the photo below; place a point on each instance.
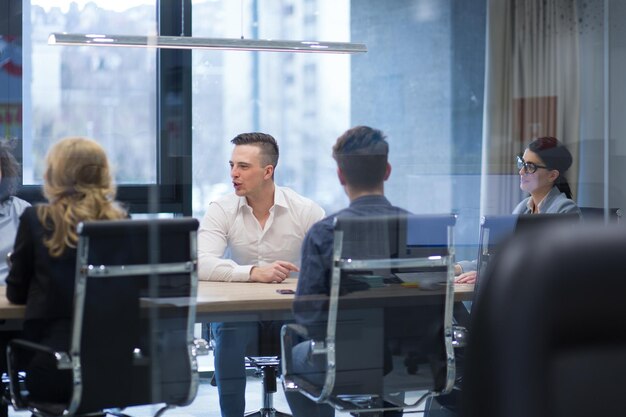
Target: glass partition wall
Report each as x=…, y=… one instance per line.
x=459, y=87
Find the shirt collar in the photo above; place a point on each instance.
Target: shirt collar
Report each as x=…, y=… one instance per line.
x=369, y=200
x=5, y=207
x=544, y=202
x=279, y=199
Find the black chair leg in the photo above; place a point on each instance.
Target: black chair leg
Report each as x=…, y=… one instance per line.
x=269, y=388
x=5, y=396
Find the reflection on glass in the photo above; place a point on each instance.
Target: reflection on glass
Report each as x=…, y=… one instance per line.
x=303, y=100
x=106, y=94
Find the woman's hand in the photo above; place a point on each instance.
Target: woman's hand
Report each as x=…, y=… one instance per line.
x=466, y=278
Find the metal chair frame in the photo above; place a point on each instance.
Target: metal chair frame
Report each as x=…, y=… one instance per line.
x=72, y=360
x=453, y=335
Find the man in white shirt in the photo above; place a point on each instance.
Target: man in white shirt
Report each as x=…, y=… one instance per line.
x=252, y=235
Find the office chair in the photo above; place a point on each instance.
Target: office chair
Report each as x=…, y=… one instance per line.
x=266, y=363
x=132, y=325
x=597, y=214
x=372, y=315
x=548, y=336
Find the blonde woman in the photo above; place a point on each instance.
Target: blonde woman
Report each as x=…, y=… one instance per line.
x=78, y=186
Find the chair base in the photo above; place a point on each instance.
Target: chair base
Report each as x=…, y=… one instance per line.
x=267, y=368
x=267, y=412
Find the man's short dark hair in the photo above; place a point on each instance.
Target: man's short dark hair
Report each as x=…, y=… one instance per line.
x=267, y=143
x=361, y=154
x=10, y=169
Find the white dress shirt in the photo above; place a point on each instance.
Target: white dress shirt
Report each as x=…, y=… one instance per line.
x=231, y=241
x=10, y=212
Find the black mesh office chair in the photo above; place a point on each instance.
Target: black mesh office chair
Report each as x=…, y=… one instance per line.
x=548, y=336
x=132, y=326
x=390, y=297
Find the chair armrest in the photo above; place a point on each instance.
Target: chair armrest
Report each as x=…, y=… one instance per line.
x=291, y=334
x=298, y=329
x=62, y=358
x=14, y=346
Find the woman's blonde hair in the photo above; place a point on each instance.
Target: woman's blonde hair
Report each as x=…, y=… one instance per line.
x=79, y=187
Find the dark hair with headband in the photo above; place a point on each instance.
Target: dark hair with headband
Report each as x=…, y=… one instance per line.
x=555, y=156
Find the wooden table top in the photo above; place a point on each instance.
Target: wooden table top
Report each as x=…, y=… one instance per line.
x=231, y=297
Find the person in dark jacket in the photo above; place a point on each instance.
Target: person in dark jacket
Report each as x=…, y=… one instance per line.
x=79, y=187
x=362, y=168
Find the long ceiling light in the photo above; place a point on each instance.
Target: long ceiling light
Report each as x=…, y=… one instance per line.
x=188, y=42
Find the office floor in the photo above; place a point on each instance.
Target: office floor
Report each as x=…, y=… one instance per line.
x=206, y=403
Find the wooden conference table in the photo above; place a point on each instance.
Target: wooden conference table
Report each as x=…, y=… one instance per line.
x=234, y=301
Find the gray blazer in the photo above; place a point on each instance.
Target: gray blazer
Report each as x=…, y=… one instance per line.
x=555, y=203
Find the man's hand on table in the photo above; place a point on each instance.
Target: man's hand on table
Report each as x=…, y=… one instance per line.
x=277, y=271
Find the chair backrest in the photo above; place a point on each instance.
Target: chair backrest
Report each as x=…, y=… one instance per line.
x=134, y=310
x=597, y=214
x=548, y=335
x=496, y=230
x=368, y=318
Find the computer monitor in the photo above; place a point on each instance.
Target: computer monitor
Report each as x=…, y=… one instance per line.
x=400, y=236
x=427, y=235
x=495, y=230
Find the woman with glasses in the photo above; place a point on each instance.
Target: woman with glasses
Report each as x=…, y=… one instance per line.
x=541, y=170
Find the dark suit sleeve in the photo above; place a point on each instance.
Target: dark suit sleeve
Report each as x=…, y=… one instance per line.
x=311, y=303
x=22, y=259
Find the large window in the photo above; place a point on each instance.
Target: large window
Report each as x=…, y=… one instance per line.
x=303, y=100
x=128, y=99
x=105, y=93
x=402, y=85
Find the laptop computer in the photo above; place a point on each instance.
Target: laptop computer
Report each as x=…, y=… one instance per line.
x=495, y=230
x=425, y=236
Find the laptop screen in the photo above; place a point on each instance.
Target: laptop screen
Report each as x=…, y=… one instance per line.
x=495, y=230
x=427, y=235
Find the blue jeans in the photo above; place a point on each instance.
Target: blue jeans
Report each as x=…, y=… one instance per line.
x=231, y=344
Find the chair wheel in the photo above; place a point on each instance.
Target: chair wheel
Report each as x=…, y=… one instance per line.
x=412, y=364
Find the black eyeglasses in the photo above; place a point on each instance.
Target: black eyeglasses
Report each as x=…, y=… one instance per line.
x=529, y=167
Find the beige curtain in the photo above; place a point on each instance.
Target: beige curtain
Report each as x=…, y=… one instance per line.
x=531, y=90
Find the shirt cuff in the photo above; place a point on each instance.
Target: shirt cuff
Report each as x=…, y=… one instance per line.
x=467, y=266
x=241, y=273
